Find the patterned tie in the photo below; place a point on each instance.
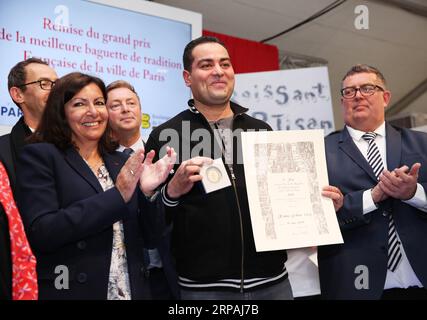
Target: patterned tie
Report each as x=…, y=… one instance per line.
x=128, y=151
x=24, y=277
x=375, y=161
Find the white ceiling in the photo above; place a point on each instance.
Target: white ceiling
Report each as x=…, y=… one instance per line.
x=396, y=41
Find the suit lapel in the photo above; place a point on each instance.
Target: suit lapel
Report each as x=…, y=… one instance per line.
x=20, y=132
x=393, y=147
x=346, y=144
x=79, y=165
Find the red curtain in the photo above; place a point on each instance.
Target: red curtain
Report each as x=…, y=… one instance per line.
x=247, y=55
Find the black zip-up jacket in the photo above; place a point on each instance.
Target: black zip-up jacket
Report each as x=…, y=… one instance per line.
x=210, y=240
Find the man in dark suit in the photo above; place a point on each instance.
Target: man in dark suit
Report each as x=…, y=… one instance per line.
x=29, y=84
x=125, y=116
x=381, y=170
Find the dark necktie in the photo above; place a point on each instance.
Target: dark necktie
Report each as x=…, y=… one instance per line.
x=375, y=161
x=128, y=151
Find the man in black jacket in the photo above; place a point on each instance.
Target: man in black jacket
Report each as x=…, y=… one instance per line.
x=212, y=238
x=29, y=84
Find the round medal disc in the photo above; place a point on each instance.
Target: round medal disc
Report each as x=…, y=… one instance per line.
x=213, y=174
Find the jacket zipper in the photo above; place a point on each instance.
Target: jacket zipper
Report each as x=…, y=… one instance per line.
x=242, y=271
x=233, y=181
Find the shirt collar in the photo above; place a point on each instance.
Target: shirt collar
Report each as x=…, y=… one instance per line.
x=136, y=146
x=236, y=108
x=357, y=134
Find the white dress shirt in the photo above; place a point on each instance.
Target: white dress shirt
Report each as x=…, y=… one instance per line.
x=139, y=144
x=404, y=276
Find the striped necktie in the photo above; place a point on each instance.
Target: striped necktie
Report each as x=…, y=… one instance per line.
x=375, y=161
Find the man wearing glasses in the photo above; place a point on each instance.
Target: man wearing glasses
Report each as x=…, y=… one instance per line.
x=382, y=172
x=29, y=84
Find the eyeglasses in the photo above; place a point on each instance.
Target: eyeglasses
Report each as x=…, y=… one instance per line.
x=365, y=90
x=45, y=84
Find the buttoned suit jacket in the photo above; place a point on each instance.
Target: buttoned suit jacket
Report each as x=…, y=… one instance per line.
x=68, y=219
x=357, y=269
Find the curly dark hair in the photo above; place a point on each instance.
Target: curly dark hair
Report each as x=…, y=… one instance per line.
x=54, y=127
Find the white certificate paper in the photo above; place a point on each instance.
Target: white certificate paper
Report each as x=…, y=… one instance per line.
x=285, y=172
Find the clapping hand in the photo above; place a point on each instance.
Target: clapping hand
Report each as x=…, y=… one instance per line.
x=401, y=183
x=154, y=174
x=128, y=176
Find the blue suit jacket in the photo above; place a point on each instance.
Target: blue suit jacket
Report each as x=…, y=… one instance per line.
x=69, y=218
x=366, y=236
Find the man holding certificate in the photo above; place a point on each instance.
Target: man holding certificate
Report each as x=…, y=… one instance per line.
x=206, y=198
